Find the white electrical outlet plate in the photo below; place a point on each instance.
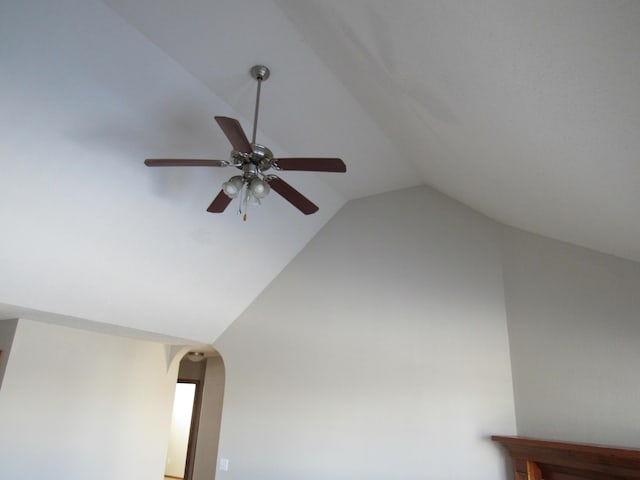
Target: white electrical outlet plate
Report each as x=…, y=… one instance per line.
x=224, y=464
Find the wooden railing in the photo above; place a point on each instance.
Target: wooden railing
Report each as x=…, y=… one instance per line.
x=534, y=459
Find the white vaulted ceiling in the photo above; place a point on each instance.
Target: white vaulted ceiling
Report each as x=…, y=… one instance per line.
x=525, y=111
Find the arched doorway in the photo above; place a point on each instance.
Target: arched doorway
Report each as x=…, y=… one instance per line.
x=195, y=429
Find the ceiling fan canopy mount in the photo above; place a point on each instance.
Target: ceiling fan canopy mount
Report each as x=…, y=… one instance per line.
x=260, y=72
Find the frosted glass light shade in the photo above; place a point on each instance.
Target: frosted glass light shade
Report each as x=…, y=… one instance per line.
x=195, y=356
x=259, y=188
x=233, y=186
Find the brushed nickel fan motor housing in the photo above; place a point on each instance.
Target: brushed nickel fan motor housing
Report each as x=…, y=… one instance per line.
x=261, y=156
x=259, y=160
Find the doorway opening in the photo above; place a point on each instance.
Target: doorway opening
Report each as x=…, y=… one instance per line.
x=197, y=413
x=184, y=406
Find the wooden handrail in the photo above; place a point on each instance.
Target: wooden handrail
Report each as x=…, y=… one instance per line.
x=535, y=459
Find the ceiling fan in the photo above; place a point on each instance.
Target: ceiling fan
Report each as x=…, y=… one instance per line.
x=253, y=159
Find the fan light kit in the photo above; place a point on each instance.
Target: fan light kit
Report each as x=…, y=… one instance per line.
x=253, y=160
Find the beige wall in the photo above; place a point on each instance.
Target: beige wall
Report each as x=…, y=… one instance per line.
x=7, y=331
x=204, y=467
x=191, y=370
x=574, y=324
x=380, y=352
x=76, y=405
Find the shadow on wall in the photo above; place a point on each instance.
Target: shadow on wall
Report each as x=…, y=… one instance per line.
x=197, y=411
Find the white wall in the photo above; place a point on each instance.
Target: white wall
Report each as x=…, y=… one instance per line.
x=380, y=352
x=76, y=405
x=574, y=326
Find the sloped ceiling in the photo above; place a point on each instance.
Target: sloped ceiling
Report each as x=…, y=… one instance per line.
x=526, y=111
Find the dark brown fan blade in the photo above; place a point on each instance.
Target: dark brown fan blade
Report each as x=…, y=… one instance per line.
x=233, y=130
x=219, y=203
x=183, y=162
x=292, y=195
x=311, y=164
